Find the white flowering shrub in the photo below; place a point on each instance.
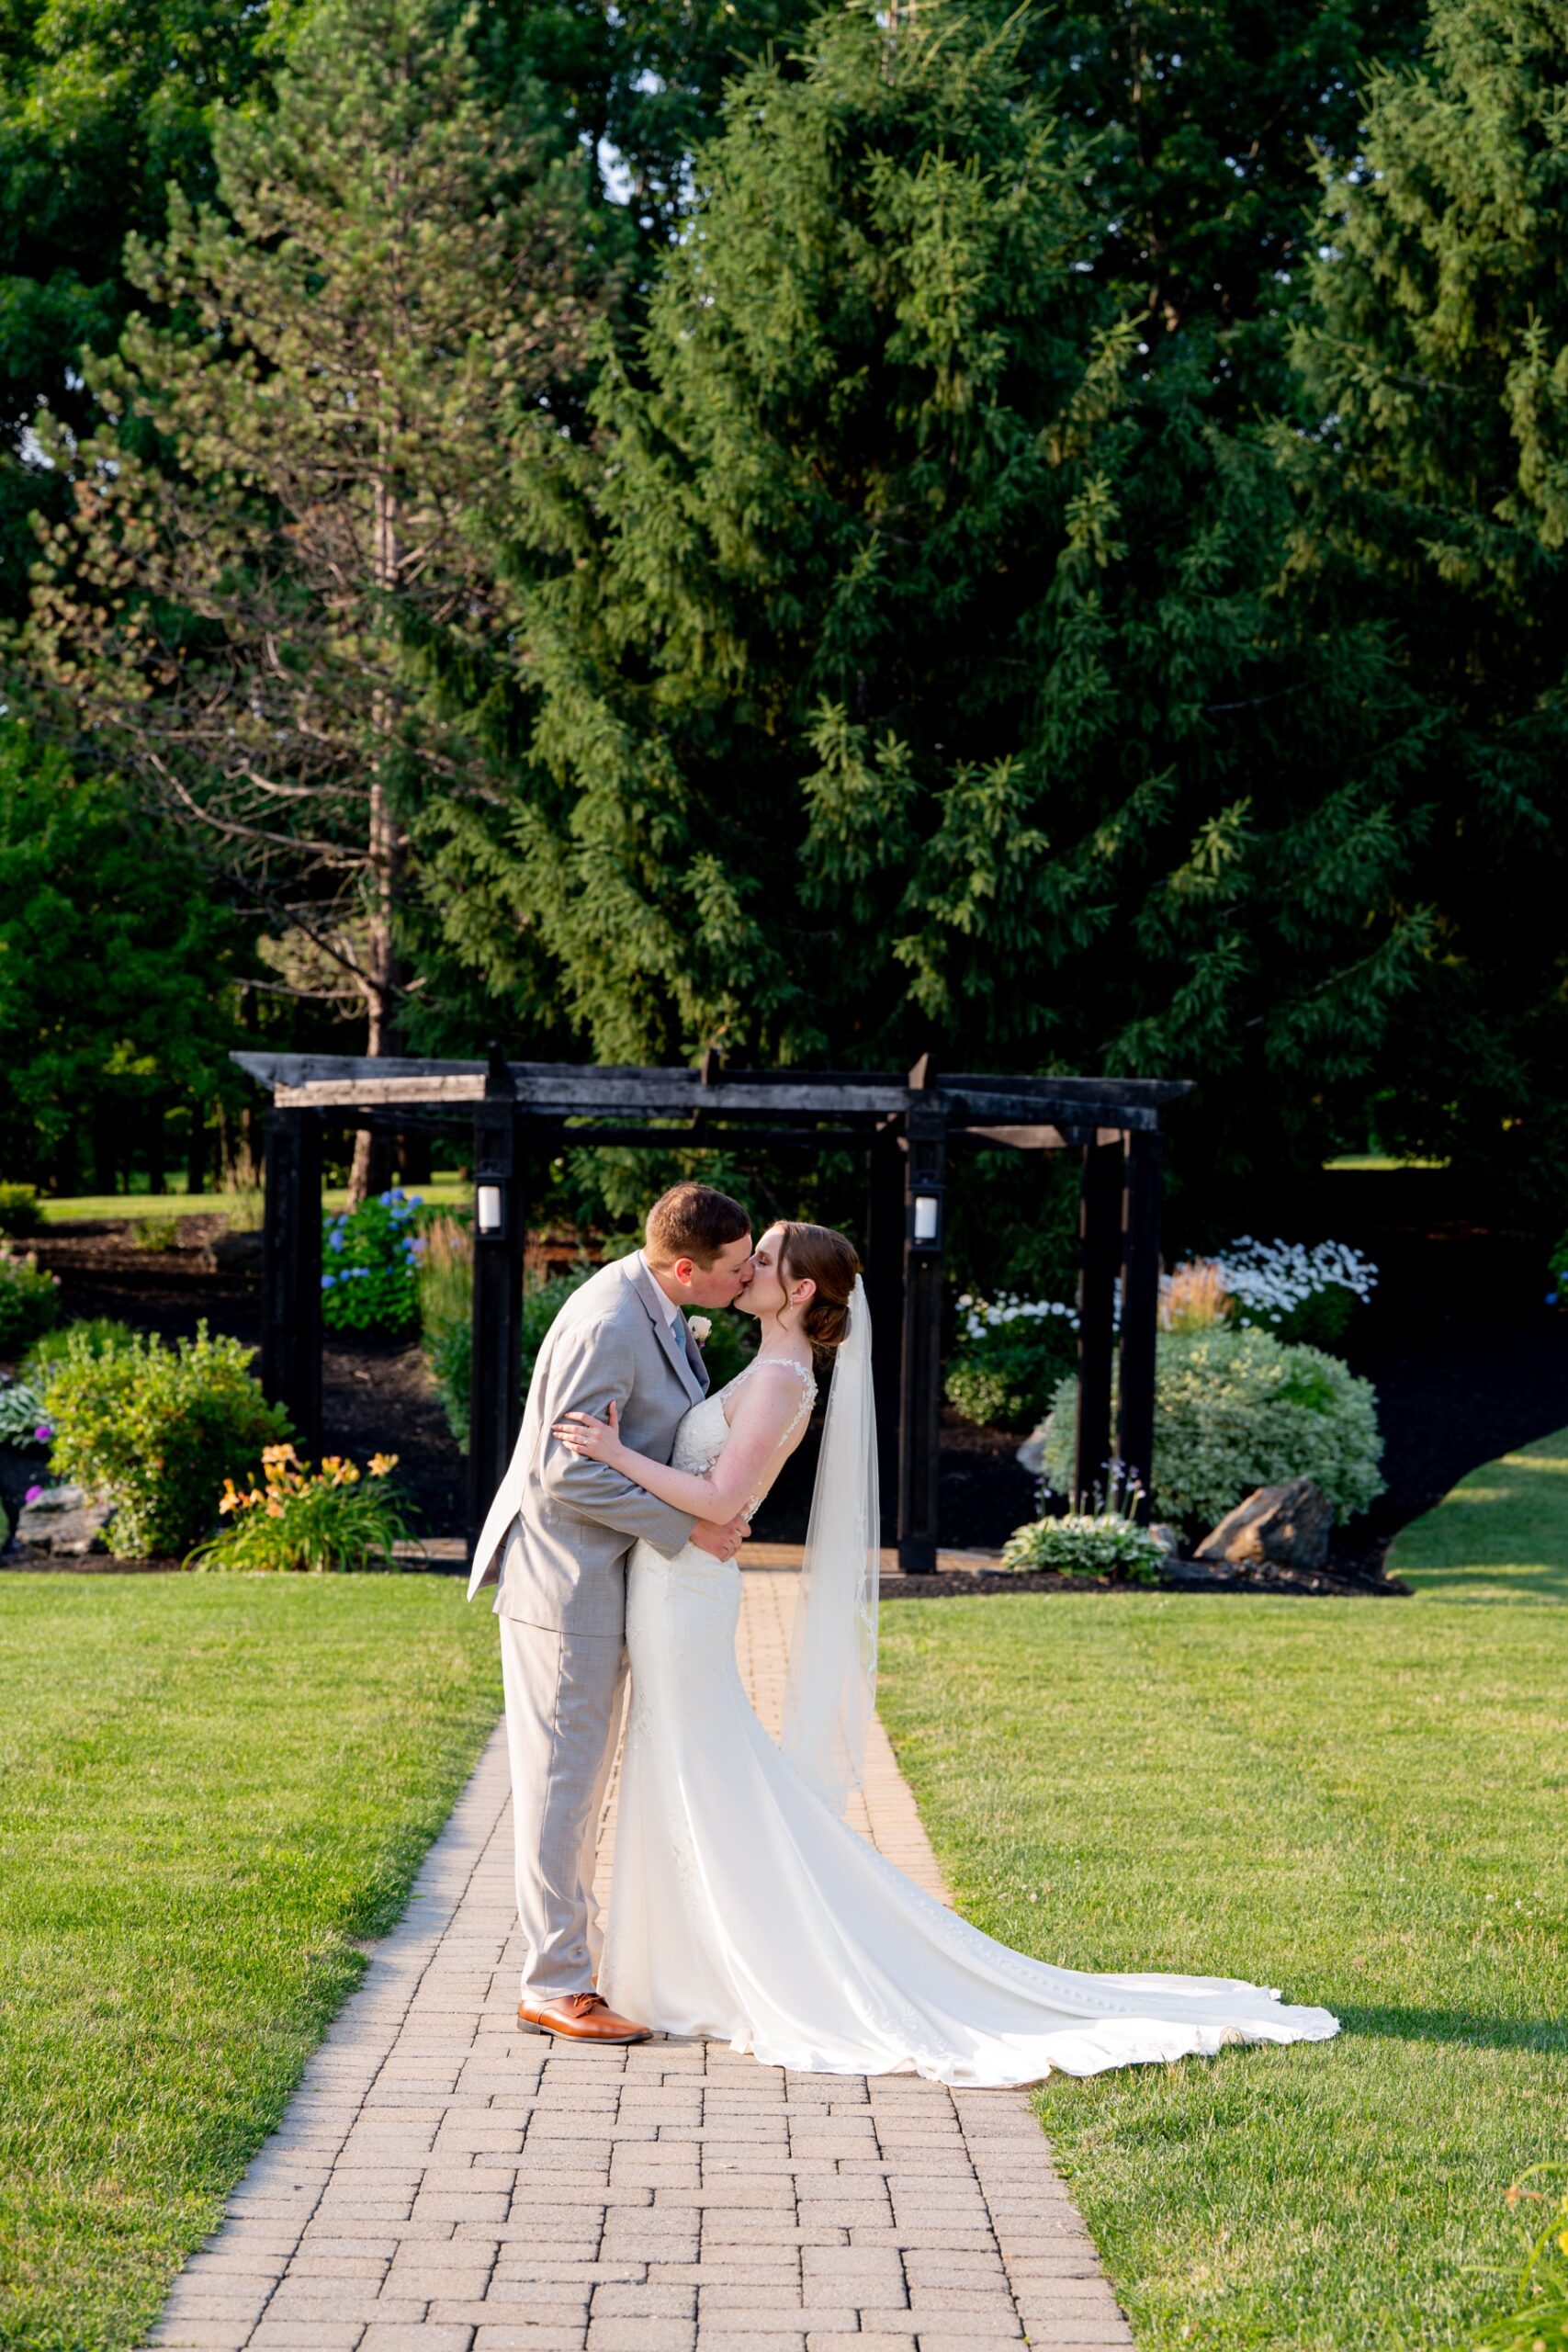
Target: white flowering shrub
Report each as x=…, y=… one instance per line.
x=1293, y=1291
x=1236, y=1409
x=1087, y=1543
x=1009, y=1353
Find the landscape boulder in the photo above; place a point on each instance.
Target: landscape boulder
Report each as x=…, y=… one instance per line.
x=1031, y=1454
x=64, y=1521
x=1283, y=1527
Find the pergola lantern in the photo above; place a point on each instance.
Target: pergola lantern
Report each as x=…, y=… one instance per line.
x=906, y=1128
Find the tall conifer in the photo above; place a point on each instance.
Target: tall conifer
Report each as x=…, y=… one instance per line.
x=924, y=670
x=279, y=603
x=1437, y=375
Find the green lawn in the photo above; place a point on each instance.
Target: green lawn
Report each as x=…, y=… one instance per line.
x=1362, y=1802
x=210, y=1788
x=1500, y=1534
x=444, y=1191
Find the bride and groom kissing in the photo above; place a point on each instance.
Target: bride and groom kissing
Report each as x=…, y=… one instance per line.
x=744, y=1907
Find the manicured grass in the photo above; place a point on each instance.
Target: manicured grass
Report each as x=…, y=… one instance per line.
x=1500, y=1534
x=1360, y=1803
x=211, y=1789
x=443, y=1192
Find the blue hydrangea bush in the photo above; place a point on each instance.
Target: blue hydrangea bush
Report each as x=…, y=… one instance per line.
x=370, y=1259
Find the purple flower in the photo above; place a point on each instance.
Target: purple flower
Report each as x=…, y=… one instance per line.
x=43, y=1434
x=32, y=1494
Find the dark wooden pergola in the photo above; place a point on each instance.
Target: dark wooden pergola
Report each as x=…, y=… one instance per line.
x=907, y=1130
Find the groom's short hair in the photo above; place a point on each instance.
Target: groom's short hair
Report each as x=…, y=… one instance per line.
x=693, y=1221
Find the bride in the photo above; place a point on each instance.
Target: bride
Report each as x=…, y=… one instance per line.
x=744, y=1907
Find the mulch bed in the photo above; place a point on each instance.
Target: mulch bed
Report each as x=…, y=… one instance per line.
x=954, y=1583
x=1466, y=1360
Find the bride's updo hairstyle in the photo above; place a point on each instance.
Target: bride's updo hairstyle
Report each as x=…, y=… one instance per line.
x=815, y=1253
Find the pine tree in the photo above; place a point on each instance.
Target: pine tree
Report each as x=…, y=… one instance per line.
x=1436, y=470
x=280, y=601
x=924, y=669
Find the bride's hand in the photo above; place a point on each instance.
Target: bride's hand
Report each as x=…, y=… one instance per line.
x=598, y=1440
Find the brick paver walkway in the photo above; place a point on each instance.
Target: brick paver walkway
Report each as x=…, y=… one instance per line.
x=443, y=2183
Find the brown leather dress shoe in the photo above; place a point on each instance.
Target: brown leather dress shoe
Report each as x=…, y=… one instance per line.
x=581, y=2017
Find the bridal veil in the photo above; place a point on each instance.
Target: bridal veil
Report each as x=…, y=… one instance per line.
x=831, y=1686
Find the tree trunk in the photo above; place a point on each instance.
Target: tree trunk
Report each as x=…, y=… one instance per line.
x=105, y=1132
x=195, y=1157
x=372, y=1169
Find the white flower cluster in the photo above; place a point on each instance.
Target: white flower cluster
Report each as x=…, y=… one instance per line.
x=1270, y=1279
x=983, y=1315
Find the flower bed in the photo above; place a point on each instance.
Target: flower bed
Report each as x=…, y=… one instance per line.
x=307, y=1522
x=1008, y=1355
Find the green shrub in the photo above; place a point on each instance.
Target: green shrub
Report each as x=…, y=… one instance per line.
x=1086, y=1544
x=22, y=1415
x=19, y=1212
x=29, y=1300
x=1236, y=1409
x=1008, y=1355
x=371, y=1264
x=98, y=1334
x=303, y=1521
x=155, y=1233
x=158, y=1430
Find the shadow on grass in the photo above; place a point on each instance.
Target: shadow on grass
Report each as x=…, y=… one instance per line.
x=1500, y=1534
x=1548, y=2036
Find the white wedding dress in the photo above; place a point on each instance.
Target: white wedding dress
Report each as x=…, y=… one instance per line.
x=744, y=1910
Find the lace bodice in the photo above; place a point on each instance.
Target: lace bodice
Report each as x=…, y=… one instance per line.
x=701, y=1438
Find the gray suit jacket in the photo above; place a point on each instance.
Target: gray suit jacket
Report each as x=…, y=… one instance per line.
x=576, y=1520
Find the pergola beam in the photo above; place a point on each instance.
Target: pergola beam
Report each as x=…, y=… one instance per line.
x=321, y=1081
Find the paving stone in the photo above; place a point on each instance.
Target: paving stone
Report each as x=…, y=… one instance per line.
x=200, y=2334
x=721, y=2339
x=512, y=2336
x=305, y=2335
x=390, y=2337
x=642, y=2336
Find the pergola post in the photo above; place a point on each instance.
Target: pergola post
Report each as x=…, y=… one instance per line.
x=919, y=1419
x=291, y=1271
x=1099, y=1255
x=1140, y=1305
x=496, y=1358
x=885, y=1292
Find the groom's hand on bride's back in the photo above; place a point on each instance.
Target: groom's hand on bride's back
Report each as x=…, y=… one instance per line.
x=723, y=1538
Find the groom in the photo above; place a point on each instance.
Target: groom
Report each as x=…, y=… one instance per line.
x=560, y=1528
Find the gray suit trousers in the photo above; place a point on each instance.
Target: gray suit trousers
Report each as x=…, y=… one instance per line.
x=563, y=1717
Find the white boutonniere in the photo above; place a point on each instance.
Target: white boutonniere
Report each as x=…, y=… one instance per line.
x=701, y=1326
